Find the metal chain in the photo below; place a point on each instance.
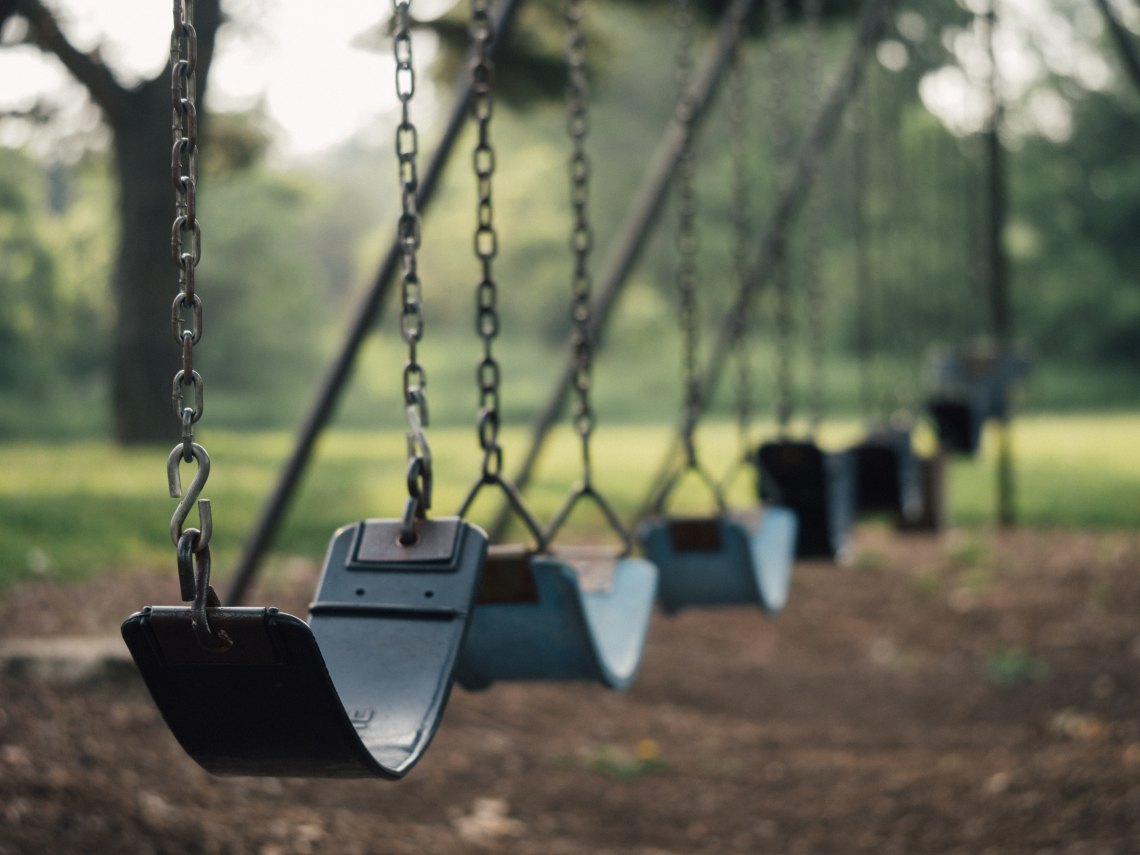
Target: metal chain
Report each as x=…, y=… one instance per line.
x=742, y=228
x=686, y=235
x=419, y=476
x=777, y=122
x=185, y=233
x=581, y=235
x=488, y=374
x=188, y=388
x=192, y=545
x=864, y=295
x=814, y=285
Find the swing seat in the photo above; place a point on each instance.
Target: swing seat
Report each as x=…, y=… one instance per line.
x=932, y=512
x=957, y=423
x=722, y=560
x=818, y=486
x=887, y=476
x=357, y=692
x=578, y=613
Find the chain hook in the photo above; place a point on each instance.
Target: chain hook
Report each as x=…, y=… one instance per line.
x=194, y=565
x=190, y=496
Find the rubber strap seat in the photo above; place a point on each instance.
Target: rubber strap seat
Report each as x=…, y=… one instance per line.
x=575, y=613
x=357, y=692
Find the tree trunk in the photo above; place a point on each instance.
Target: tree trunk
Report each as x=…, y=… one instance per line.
x=144, y=357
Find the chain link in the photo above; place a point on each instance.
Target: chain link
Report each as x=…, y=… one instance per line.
x=486, y=242
x=188, y=388
x=781, y=141
x=817, y=339
x=411, y=289
x=581, y=235
x=686, y=234
x=185, y=232
x=738, y=94
x=859, y=238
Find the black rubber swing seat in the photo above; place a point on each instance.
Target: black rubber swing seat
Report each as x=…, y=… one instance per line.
x=958, y=423
x=357, y=692
x=575, y=613
x=723, y=559
x=887, y=475
x=818, y=486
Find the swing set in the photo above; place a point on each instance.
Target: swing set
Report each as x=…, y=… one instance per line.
x=406, y=607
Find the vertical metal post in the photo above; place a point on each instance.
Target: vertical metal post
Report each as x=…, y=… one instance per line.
x=997, y=267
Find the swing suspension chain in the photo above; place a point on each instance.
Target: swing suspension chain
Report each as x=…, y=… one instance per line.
x=738, y=133
x=192, y=545
x=581, y=235
x=686, y=236
x=777, y=14
x=816, y=318
x=488, y=374
x=187, y=393
x=863, y=281
x=411, y=290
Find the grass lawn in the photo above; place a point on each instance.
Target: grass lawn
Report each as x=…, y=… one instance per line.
x=71, y=509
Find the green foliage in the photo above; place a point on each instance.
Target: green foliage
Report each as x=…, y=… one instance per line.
x=71, y=509
x=1011, y=666
x=28, y=277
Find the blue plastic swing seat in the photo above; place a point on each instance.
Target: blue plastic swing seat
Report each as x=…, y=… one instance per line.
x=818, y=486
x=722, y=559
x=972, y=386
x=887, y=475
x=579, y=613
x=932, y=513
x=357, y=692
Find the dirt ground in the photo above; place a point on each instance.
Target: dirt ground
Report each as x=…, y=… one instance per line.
x=973, y=693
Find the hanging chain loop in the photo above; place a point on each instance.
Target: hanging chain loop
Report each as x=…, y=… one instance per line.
x=486, y=244
x=581, y=234
x=188, y=389
x=581, y=282
x=686, y=233
x=411, y=289
x=781, y=143
x=817, y=339
x=192, y=545
x=488, y=375
x=742, y=230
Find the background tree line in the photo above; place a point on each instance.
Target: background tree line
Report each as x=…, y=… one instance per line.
x=84, y=264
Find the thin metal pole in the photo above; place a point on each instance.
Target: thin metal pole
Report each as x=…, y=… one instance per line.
x=626, y=248
x=367, y=313
x=791, y=199
x=998, y=269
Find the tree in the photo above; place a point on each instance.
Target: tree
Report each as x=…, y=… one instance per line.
x=142, y=355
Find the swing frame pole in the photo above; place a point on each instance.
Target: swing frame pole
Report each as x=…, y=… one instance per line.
x=368, y=312
x=791, y=200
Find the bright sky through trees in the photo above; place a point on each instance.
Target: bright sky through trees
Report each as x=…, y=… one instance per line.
x=324, y=75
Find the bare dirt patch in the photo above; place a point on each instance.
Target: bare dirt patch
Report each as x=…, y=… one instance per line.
x=973, y=693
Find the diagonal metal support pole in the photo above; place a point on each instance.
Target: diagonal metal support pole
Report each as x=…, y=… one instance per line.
x=363, y=319
x=791, y=199
x=637, y=224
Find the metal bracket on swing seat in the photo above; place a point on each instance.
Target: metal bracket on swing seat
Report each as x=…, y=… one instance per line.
x=357, y=692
